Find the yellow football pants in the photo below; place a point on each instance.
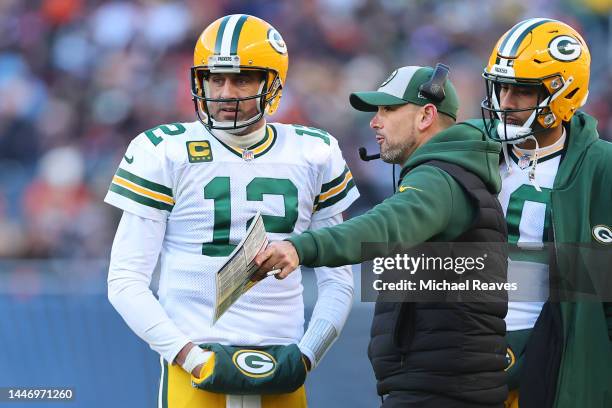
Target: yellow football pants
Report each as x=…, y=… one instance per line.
x=512, y=400
x=176, y=392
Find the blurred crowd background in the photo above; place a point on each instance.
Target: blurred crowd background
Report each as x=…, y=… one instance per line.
x=80, y=78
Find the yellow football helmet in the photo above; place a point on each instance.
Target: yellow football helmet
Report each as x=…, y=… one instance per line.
x=231, y=44
x=537, y=52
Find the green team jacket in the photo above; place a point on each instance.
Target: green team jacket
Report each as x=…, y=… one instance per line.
x=582, y=199
x=428, y=206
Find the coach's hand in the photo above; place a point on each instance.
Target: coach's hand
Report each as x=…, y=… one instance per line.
x=278, y=255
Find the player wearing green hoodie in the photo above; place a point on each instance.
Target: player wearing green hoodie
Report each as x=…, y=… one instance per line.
x=556, y=194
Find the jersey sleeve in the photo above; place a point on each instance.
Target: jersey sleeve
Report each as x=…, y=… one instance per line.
x=335, y=298
x=338, y=190
x=143, y=182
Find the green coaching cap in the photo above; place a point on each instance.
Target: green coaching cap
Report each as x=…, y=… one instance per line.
x=402, y=87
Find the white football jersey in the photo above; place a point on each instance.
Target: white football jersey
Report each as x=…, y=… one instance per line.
x=527, y=214
x=207, y=194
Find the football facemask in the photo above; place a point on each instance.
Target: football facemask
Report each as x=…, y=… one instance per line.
x=543, y=53
x=231, y=45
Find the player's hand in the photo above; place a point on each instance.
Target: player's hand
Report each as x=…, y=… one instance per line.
x=278, y=255
x=182, y=355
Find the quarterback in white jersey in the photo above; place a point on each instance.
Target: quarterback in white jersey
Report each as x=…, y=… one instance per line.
x=189, y=192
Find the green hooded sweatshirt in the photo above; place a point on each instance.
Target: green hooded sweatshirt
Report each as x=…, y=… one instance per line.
x=581, y=200
x=428, y=206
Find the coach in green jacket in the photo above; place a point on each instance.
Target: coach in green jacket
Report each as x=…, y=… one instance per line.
x=446, y=193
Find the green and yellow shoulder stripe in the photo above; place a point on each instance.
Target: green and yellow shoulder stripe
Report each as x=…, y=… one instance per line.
x=142, y=190
x=335, y=190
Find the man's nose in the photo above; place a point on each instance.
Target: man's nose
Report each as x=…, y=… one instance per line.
x=507, y=99
x=228, y=90
x=375, y=122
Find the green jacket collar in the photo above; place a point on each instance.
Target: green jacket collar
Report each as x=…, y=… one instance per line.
x=465, y=145
x=582, y=134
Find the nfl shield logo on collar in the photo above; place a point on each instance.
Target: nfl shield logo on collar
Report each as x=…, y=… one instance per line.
x=524, y=161
x=247, y=155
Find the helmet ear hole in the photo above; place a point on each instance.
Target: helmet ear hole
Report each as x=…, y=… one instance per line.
x=549, y=119
x=274, y=93
x=556, y=83
x=572, y=93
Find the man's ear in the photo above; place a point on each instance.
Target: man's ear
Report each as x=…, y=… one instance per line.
x=427, y=116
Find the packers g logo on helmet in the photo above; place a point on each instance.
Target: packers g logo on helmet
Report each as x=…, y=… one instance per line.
x=232, y=44
x=538, y=52
x=254, y=363
x=276, y=41
x=564, y=48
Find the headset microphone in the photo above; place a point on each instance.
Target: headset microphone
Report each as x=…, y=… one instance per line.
x=363, y=155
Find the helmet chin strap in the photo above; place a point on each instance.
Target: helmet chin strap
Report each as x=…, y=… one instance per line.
x=513, y=134
x=240, y=124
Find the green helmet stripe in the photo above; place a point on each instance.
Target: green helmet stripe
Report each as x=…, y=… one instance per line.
x=507, y=38
x=518, y=42
x=219, y=38
x=236, y=34
x=509, y=47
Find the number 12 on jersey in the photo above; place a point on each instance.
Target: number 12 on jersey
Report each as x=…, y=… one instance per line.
x=218, y=189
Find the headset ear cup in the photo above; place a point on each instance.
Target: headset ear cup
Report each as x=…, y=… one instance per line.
x=434, y=88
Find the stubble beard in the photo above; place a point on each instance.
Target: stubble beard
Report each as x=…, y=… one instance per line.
x=396, y=154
